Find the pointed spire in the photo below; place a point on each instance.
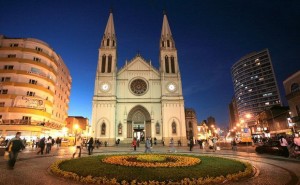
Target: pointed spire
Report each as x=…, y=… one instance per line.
x=166, y=31
x=110, y=28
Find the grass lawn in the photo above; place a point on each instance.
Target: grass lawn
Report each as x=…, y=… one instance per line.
x=209, y=166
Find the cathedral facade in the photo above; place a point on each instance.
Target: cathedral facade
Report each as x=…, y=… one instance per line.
x=138, y=100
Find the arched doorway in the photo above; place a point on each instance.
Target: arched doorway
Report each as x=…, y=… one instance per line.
x=139, y=123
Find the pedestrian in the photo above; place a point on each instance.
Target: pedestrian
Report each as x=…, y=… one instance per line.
x=284, y=144
x=41, y=146
x=155, y=141
x=90, y=145
x=234, y=144
x=57, y=142
x=148, y=145
x=13, y=147
x=191, y=144
x=48, y=145
x=78, y=146
x=172, y=148
x=134, y=144
x=210, y=144
x=200, y=143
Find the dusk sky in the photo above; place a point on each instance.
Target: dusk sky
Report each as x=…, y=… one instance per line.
x=210, y=37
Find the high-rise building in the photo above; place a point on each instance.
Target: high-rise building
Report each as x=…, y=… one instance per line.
x=34, y=89
x=138, y=100
x=255, y=86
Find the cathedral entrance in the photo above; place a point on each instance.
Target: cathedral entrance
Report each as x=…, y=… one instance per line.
x=139, y=123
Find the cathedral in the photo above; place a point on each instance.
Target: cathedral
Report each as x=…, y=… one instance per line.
x=138, y=100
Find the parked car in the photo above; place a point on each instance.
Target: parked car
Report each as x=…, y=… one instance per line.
x=271, y=147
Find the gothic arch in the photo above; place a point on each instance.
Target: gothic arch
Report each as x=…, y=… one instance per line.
x=142, y=118
x=99, y=127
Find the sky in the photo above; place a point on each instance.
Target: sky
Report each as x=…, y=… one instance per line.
x=210, y=37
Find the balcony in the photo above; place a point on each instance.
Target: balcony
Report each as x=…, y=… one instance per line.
x=293, y=95
x=25, y=111
x=28, y=85
x=31, y=51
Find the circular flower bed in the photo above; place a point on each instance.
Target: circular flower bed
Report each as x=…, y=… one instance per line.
x=152, y=161
x=213, y=170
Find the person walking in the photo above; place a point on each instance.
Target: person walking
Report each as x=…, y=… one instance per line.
x=13, y=147
x=148, y=145
x=48, y=145
x=284, y=145
x=90, y=145
x=234, y=145
x=41, y=146
x=172, y=148
x=78, y=146
x=191, y=144
x=134, y=144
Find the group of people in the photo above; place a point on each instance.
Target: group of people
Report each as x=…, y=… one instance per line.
x=291, y=147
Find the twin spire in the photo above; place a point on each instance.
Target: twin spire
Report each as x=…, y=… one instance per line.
x=109, y=37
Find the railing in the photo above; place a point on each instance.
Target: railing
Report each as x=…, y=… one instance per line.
x=29, y=122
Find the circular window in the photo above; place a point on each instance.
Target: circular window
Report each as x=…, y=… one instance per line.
x=138, y=87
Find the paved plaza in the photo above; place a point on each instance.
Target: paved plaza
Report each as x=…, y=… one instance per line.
x=33, y=169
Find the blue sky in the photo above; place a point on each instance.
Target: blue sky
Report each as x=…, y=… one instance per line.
x=210, y=37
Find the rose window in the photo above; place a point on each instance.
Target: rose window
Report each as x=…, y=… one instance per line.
x=138, y=87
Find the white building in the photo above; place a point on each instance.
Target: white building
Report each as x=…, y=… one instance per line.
x=138, y=100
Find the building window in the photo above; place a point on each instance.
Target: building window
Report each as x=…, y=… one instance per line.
x=107, y=42
x=167, y=64
x=36, y=59
x=30, y=93
x=174, y=131
x=26, y=119
x=3, y=91
x=295, y=87
x=33, y=81
x=157, y=128
x=162, y=43
x=14, y=45
x=2, y=104
x=11, y=56
x=114, y=43
x=5, y=79
x=103, y=128
x=168, y=43
x=109, y=63
x=190, y=125
x=172, y=65
x=120, y=129
x=38, y=49
x=103, y=64
x=8, y=67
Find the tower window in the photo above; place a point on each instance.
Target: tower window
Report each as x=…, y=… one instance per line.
x=107, y=42
x=103, y=128
x=157, y=128
x=174, y=130
x=167, y=64
x=168, y=43
x=172, y=65
x=109, y=64
x=162, y=43
x=114, y=43
x=103, y=64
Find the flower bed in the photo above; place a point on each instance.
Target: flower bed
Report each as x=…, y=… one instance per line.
x=152, y=161
x=212, y=170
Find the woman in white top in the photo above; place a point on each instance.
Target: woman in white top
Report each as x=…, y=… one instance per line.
x=284, y=144
x=78, y=146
